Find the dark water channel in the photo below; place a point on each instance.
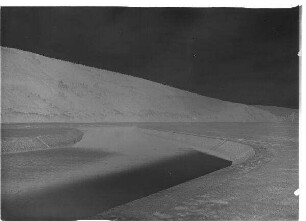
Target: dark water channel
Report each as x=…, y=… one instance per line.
x=87, y=197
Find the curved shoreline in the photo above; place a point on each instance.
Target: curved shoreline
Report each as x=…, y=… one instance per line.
x=252, y=188
x=226, y=189
x=150, y=205
x=219, y=147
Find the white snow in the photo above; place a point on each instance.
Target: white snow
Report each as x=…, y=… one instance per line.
x=41, y=89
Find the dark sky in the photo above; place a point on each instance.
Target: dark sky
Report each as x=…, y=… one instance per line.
x=241, y=55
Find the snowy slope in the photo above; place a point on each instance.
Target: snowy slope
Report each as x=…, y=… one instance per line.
x=41, y=89
x=285, y=114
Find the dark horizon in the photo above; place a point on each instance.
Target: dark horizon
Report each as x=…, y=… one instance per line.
x=241, y=55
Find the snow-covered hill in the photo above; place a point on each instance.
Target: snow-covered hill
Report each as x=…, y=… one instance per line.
x=41, y=89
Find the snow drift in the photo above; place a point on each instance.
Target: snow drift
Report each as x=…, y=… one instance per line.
x=41, y=89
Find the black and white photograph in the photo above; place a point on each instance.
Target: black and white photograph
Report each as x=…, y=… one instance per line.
x=150, y=113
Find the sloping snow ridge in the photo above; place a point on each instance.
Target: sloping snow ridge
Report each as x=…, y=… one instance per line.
x=36, y=88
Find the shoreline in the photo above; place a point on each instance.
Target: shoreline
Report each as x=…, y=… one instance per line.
x=259, y=188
